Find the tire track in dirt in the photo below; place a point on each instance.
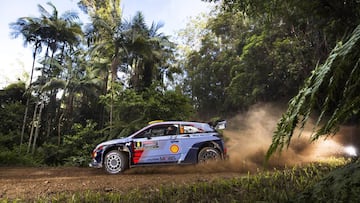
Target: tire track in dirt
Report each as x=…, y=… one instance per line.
x=31, y=183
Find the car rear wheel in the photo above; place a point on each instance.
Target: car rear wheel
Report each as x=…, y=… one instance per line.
x=115, y=162
x=207, y=154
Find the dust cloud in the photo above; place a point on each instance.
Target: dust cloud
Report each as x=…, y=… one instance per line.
x=249, y=136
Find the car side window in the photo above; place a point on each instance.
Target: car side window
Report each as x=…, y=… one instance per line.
x=158, y=130
x=172, y=130
x=189, y=129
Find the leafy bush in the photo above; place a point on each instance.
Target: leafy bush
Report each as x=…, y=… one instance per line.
x=341, y=185
x=75, y=149
x=17, y=158
x=79, y=145
x=133, y=110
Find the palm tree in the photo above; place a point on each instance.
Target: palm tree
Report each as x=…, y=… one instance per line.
x=148, y=52
x=64, y=34
x=125, y=44
x=55, y=33
x=30, y=29
x=81, y=82
x=105, y=34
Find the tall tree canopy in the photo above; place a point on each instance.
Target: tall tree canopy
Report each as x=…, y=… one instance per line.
x=271, y=47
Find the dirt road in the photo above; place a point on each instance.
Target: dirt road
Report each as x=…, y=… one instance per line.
x=29, y=183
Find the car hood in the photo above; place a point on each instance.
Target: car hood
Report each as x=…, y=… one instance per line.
x=114, y=141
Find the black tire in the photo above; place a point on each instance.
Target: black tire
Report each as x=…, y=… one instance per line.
x=207, y=154
x=115, y=162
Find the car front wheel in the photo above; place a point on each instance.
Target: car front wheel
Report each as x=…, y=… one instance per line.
x=207, y=154
x=115, y=162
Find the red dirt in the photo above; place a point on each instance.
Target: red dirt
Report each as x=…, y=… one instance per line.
x=31, y=183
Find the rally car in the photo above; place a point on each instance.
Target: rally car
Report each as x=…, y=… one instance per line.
x=159, y=143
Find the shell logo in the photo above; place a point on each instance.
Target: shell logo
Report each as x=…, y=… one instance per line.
x=174, y=148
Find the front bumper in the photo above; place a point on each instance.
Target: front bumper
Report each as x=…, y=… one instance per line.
x=94, y=164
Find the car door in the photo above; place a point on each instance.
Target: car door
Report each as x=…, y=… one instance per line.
x=156, y=145
x=181, y=142
x=191, y=135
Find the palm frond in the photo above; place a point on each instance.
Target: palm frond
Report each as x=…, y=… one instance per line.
x=339, y=77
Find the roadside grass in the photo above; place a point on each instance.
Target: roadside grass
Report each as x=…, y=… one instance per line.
x=292, y=184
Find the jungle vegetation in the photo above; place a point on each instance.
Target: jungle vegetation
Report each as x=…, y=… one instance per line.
x=111, y=76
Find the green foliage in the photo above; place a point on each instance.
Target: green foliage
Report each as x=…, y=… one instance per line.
x=10, y=125
x=339, y=72
x=12, y=107
x=341, y=185
x=74, y=75
x=52, y=155
x=79, y=145
x=16, y=157
x=272, y=47
x=250, y=76
x=76, y=147
x=249, y=52
x=208, y=75
x=167, y=105
x=133, y=110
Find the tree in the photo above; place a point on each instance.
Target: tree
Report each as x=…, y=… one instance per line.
x=62, y=35
x=105, y=34
x=12, y=106
x=274, y=45
x=338, y=77
x=29, y=28
x=148, y=53
x=208, y=75
x=135, y=109
x=56, y=33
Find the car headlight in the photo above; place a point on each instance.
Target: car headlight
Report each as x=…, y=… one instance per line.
x=350, y=150
x=98, y=149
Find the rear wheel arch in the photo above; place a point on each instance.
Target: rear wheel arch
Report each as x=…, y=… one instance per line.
x=207, y=154
x=210, y=144
x=209, y=150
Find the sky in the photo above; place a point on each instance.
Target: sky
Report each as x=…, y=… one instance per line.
x=16, y=60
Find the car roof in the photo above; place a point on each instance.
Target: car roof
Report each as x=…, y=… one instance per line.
x=158, y=122
x=175, y=122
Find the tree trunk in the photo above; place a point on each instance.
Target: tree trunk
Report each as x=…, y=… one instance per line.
x=33, y=123
x=59, y=129
x=28, y=97
x=37, y=127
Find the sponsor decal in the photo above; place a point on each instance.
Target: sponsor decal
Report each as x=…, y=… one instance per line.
x=174, y=148
x=146, y=145
x=167, y=158
x=150, y=144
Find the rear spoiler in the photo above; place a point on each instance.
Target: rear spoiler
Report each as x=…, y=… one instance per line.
x=218, y=125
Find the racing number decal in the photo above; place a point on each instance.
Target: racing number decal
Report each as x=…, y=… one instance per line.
x=174, y=148
x=138, y=144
